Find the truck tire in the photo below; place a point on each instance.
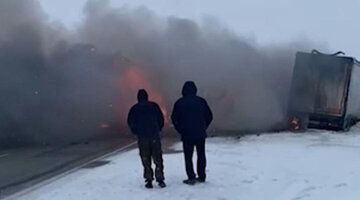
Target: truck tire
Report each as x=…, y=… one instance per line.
x=346, y=125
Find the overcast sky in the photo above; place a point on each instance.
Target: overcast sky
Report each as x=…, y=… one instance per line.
x=332, y=22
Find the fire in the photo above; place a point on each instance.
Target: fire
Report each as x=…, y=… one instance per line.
x=104, y=125
x=128, y=79
x=134, y=79
x=295, y=124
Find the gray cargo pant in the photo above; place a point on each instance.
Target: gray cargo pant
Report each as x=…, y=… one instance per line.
x=150, y=149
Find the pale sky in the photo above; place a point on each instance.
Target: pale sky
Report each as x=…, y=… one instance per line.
x=332, y=22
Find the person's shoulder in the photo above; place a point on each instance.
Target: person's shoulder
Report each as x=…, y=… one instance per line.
x=134, y=107
x=180, y=101
x=153, y=103
x=201, y=99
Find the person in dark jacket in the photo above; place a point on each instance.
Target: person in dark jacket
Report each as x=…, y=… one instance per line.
x=146, y=121
x=191, y=117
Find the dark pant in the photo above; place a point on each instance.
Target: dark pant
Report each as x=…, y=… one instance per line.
x=150, y=149
x=188, y=146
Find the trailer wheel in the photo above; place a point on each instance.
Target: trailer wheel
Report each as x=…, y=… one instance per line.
x=347, y=124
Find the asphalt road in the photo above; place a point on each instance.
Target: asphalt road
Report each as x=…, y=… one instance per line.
x=24, y=167
x=20, y=168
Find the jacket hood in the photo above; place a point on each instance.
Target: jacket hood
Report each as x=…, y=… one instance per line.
x=189, y=89
x=142, y=95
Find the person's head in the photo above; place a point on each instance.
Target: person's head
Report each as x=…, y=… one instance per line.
x=189, y=89
x=142, y=95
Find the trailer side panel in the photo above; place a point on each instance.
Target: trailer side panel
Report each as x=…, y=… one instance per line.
x=353, y=104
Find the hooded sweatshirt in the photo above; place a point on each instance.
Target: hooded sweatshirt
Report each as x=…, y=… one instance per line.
x=191, y=114
x=145, y=118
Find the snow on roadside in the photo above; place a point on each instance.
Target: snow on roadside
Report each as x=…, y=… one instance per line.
x=313, y=165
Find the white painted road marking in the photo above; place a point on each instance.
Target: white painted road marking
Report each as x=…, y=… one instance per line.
x=3, y=155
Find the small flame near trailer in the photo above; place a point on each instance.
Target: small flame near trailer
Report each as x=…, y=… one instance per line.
x=295, y=124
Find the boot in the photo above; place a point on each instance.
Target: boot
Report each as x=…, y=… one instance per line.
x=200, y=180
x=162, y=184
x=190, y=181
x=148, y=184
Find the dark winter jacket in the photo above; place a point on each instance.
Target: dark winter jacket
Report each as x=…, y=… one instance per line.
x=191, y=115
x=145, y=118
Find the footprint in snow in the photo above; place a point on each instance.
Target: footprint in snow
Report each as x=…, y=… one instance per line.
x=340, y=185
x=247, y=181
x=308, y=189
x=301, y=197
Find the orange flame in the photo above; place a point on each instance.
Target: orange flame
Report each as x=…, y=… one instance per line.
x=295, y=124
x=135, y=79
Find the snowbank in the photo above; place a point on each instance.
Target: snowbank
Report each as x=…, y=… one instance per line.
x=315, y=165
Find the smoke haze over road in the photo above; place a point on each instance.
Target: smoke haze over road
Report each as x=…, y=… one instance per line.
x=60, y=84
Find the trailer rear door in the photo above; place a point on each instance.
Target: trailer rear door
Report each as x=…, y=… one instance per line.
x=333, y=74
x=303, y=86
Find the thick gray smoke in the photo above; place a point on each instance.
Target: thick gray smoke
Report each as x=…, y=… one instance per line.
x=58, y=84
x=52, y=87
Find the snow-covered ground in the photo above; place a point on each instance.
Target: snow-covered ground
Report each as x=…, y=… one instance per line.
x=315, y=165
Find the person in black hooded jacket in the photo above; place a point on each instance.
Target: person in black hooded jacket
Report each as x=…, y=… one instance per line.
x=191, y=117
x=146, y=120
